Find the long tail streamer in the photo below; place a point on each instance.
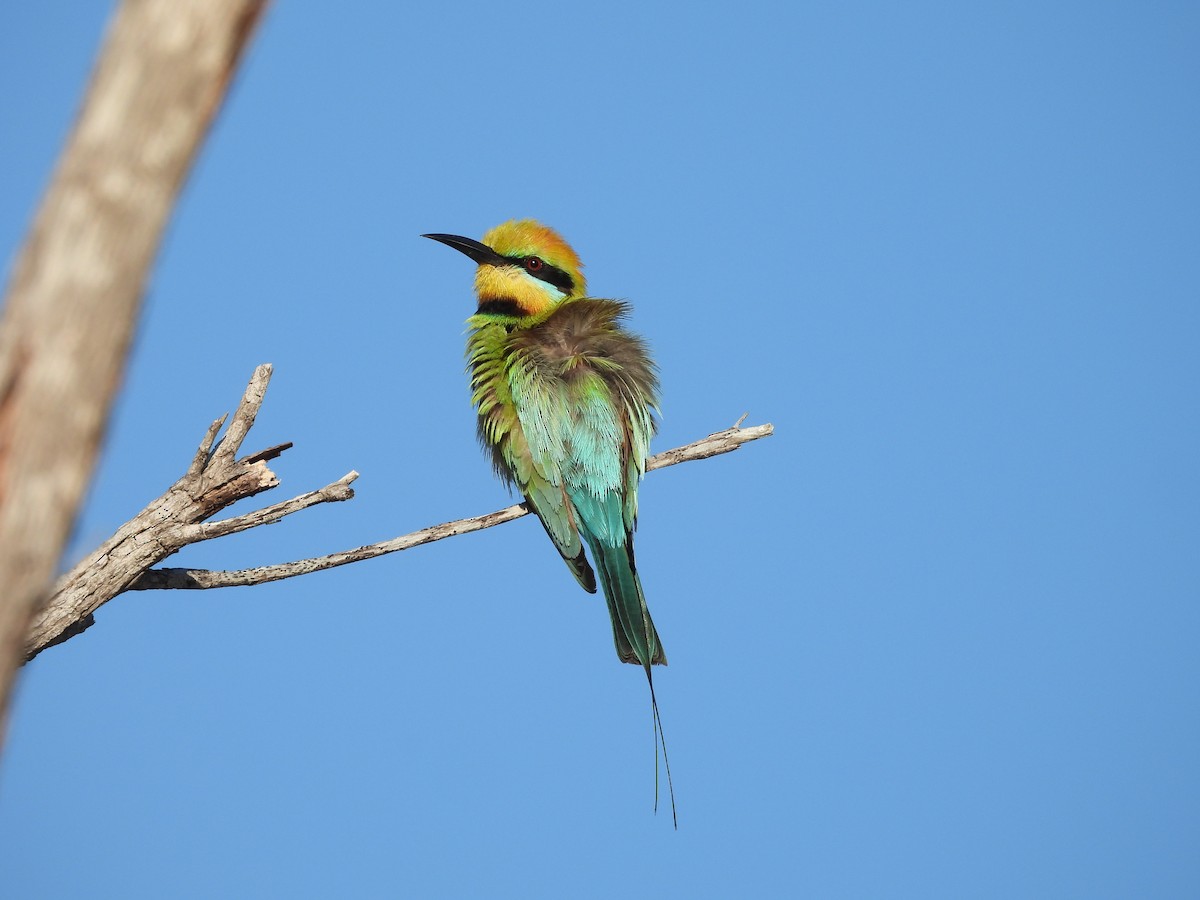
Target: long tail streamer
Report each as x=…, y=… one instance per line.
x=661, y=740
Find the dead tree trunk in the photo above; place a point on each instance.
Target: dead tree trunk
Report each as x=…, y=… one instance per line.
x=73, y=300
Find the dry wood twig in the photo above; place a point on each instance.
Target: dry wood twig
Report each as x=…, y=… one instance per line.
x=213, y=481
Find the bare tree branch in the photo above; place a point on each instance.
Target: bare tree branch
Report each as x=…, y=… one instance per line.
x=172, y=522
x=213, y=481
x=197, y=579
x=244, y=416
x=205, y=447
x=338, y=490
x=714, y=445
x=76, y=287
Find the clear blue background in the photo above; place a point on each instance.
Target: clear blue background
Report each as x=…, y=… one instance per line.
x=936, y=638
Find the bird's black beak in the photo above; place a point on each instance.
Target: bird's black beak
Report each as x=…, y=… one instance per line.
x=481, y=253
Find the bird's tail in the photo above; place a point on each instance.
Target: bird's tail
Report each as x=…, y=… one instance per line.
x=635, y=636
x=633, y=629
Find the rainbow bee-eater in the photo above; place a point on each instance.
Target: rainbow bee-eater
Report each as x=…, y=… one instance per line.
x=565, y=397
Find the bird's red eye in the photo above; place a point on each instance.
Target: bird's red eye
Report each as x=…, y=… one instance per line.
x=533, y=264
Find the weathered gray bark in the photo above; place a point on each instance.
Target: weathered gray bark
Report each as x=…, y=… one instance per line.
x=214, y=480
x=76, y=287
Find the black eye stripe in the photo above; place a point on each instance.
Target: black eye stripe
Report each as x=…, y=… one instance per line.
x=548, y=273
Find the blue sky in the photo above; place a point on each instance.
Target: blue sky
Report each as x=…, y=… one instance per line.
x=937, y=637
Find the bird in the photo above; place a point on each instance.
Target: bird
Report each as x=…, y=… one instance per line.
x=566, y=399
